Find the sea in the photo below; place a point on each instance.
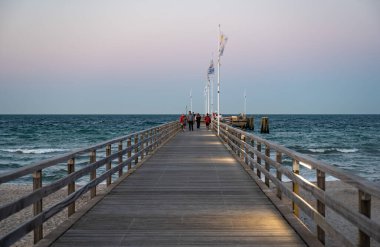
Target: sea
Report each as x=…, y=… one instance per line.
x=350, y=142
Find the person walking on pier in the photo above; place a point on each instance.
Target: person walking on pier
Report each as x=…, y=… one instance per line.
x=190, y=121
x=198, y=119
x=182, y=121
x=207, y=121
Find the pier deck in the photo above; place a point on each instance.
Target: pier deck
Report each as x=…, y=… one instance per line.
x=190, y=192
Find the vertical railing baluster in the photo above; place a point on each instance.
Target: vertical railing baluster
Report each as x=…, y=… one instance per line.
x=239, y=144
x=93, y=173
x=147, y=143
x=154, y=139
x=296, y=188
x=321, y=183
x=150, y=134
x=278, y=173
x=129, y=155
x=258, y=159
x=267, y=165
x=119, y=149
x=136, y=148
x=37, y=206
x=108, y=165
x=245, y=149
x=365, y=209
x=252, y=154
x=71, y=186
x=142, y=145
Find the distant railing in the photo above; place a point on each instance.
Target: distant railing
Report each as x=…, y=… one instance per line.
x=144, y=142
x=249, y=148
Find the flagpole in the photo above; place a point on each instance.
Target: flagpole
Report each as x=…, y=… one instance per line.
x=191, y=101
x=212, y=95
x=205, y=99
x=218, y=98
x=245, y=102
x=208, y=96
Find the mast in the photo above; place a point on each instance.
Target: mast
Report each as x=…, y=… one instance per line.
x=245, y=103
x=191, y=101
x=218, y=97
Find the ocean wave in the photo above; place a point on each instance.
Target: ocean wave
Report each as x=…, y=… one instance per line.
x=347, y=150
x=333, y=150
x=34, y=151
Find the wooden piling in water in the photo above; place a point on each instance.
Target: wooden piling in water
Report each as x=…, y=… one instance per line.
x=265, y=125
x=250, y=123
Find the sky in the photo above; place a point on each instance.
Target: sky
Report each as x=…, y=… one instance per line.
x=144, y=57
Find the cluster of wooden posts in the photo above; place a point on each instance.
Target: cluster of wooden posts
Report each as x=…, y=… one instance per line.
x=265, y=161
x=138, y=146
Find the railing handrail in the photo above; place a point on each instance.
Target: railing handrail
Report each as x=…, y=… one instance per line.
x=243, y=144
x=145, y=141
x=352, y=179
x=25, y=170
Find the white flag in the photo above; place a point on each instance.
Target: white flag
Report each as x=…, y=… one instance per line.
x=222, y=43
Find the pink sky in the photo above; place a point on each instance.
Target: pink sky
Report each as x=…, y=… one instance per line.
x=150, y=46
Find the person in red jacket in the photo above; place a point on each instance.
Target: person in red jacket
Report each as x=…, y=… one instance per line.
x=207, y=121
x=182, y=120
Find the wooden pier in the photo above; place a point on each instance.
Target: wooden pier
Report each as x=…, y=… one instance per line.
x=191, y=192
x=191, y=188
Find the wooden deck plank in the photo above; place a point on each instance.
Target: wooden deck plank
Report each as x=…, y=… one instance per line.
x=191, y=192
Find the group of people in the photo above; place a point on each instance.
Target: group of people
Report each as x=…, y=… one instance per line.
x=189, y=119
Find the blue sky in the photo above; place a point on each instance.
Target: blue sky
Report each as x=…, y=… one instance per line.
x=95, y=57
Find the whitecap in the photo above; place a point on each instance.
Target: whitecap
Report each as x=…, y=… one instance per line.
x=318, y=150
x=347, y=150
x=34, y=151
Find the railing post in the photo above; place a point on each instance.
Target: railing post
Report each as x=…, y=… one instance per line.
x=252, y=153
x=71, y=186
x=321, y=183
x=119, y=149
x=37, y=206
x=239, y=152
x=154, y=131
x=142, y=145
x=150, y=142
x=365, y=209
x=136, y=148
x=147, y=143
x=243, y=138
x=258, y=159
x=296, y=188
x=108, y=165
x=157, y=139
x=129, y=144
x=267, y=165
x=278, y=173
x=93, y=173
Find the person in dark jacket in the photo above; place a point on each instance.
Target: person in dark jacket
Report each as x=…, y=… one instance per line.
x=198, y=119
x=190, y=121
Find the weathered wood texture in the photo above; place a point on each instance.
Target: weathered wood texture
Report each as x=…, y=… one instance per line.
x=191, y=192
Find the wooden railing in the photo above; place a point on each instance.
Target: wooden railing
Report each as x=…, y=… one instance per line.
x=256, y=152
x=138, y=145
